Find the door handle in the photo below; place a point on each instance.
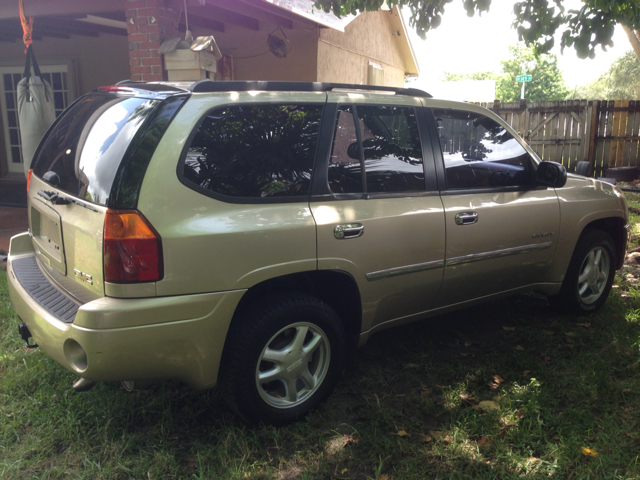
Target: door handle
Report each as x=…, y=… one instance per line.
x=348, y=230
x=466, y=218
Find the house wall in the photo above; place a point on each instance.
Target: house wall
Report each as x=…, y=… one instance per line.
x=344, y=57
x=246, y=46
x=98, y=61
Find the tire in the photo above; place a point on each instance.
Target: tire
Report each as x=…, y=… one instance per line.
x=282, y=358
x=584, y=168
x=590, y=274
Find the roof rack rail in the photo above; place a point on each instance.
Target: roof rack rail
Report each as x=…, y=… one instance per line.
x=279, y=86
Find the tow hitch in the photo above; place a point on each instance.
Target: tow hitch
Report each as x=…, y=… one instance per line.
x=25, y=335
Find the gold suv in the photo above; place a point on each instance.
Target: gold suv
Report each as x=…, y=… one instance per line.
x=251, y=233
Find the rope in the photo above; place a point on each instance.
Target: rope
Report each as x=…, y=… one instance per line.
x=27, y=27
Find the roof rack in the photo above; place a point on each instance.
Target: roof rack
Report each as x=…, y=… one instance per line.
x=278, y=86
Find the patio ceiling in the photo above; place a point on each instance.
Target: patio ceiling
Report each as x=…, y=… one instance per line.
x=63, y=18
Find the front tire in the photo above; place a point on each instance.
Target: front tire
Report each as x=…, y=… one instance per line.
x=590, y=274
x=282, y=358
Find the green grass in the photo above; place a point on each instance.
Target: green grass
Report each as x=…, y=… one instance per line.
x=561, y=384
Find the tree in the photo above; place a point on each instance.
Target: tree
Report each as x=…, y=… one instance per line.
x=535, y=20
x=547, y=83
x=620, y=82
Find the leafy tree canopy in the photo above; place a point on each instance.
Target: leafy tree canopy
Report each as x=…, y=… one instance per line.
x=535, y=20
x=547, y=83
x=620, y=82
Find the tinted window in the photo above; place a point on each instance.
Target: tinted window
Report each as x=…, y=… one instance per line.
x=391, y=150
x=478, y=152
x=86, y=146
x=255, y=150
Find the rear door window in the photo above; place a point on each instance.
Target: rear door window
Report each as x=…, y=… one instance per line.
x=391, y=158
x=254, y=151
x=88, y=143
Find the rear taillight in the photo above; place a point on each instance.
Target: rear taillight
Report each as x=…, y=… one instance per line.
x=132, y=248
x=29, y=178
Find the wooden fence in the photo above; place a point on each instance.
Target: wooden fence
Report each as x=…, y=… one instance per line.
x=606, y=133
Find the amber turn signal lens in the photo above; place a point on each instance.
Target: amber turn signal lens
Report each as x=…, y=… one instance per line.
x=132, y=248
x=29, y=178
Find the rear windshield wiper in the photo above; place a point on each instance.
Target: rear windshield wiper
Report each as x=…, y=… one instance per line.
x=58, y=199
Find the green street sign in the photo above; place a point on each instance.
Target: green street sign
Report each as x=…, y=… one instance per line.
x=523, y=78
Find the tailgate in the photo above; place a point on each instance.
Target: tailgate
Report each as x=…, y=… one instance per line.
x=67, y=239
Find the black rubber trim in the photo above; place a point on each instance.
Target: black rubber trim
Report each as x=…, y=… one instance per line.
x=43, y=291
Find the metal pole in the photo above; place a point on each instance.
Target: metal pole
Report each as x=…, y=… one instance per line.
x=523, y=82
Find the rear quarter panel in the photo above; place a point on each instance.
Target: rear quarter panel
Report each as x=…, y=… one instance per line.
x=210, y=245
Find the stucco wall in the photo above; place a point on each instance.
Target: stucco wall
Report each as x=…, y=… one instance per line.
x=246, y=46
x=344, y=57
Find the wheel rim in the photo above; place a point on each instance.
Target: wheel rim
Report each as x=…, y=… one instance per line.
x=594, y=274
x=293, y=365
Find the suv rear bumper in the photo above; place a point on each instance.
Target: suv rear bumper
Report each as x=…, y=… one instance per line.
x=110, y=339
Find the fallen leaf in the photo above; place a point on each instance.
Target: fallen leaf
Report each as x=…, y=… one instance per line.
x=487, y=406
x=423, y=437
x=570, y=334
x=519, y=414
x=627, y=390
x=547, y=332
x=526, y=373
x=439, y=435
x=498, y=379
x=546, y=358
x=384, y=476
x=411, y=365
x=467, y=343
x=425, y=391
x=588, y=452
x=402, y=433
x=518, y=347
x=484, y=440
x=631, y=435
x=510, y=424
x=344, y=470
x=509, y=329
x=569, y=340
x=533, y=459
x=585, y=325
x=470, y=399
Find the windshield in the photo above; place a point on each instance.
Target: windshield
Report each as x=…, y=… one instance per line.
x=86, y=146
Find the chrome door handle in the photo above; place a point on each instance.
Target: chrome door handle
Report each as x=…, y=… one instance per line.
x=466, y=218
x=348, y=230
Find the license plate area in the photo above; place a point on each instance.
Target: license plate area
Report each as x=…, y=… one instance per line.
x=46, y=228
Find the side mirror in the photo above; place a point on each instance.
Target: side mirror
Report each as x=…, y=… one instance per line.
x=551, y=174
x=353, y=151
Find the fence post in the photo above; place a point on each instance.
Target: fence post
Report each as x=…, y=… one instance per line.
x=592, y=128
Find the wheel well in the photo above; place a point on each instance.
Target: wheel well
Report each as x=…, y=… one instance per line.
x=615, y=227
x=337, y=289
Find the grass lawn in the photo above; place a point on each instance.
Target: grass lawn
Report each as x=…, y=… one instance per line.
x=509, y=389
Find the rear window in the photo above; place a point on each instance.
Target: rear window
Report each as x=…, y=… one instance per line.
x=254, y=151
x=87, y=144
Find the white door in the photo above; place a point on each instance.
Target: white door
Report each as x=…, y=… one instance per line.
x=60, y=80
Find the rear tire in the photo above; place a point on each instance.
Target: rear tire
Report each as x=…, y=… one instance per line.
x=282, y=358
x=590, y=274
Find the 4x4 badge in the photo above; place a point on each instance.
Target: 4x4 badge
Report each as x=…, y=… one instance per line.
x=83, y=277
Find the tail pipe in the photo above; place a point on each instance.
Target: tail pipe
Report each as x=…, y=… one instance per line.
x=25, y=335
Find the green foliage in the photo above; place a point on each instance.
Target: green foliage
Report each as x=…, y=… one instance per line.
x=547, y=83
x=456, y=77
x=535, y=20
x=620, y=82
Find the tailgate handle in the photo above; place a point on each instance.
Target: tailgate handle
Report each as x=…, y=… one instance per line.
x=348, y=230
x=466, y=218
